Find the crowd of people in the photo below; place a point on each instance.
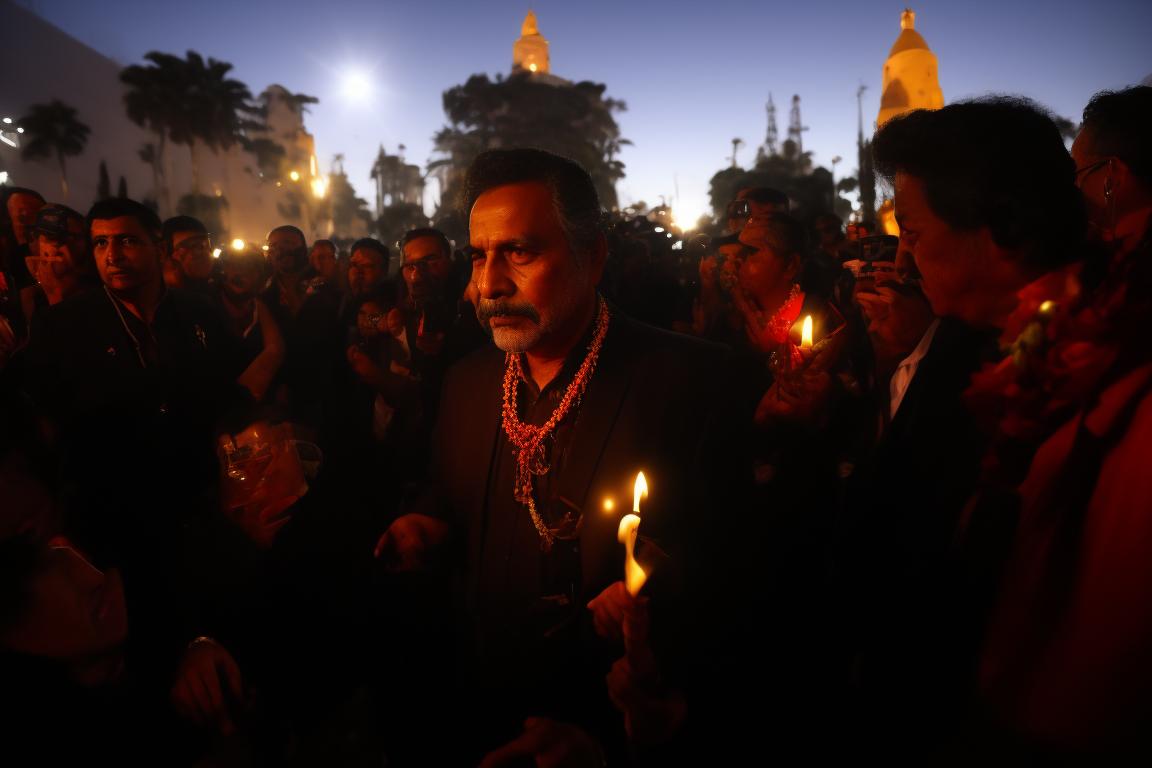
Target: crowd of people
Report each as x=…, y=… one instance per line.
x=280, y=506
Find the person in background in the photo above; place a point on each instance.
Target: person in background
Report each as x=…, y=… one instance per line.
x=988, y=208
x=188, y=252
x=61, y=259
x=324, y=266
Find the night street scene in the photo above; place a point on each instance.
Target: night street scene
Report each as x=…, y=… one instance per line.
x=574, y=385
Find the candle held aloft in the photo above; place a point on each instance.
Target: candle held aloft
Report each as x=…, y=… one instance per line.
x=634, y=575
x=806, y=333
x=639, y=489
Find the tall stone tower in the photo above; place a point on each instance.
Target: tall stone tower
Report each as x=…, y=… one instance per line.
x=530, y=52
x=910, y=74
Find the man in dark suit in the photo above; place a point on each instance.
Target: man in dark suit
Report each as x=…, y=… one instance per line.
x=895, y=561
x=538, y=442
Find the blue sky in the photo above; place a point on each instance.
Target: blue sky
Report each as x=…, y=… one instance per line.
x=694, y=75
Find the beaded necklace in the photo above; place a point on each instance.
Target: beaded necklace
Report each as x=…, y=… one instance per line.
x=528, y=441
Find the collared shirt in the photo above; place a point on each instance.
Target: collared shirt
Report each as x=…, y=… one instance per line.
x=902, y=378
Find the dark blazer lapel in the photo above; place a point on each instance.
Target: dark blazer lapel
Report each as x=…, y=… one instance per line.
x=602, y=403
x=488, y=402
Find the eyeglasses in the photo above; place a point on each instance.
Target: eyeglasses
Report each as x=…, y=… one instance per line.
x=739, y=209
x=1086, y=171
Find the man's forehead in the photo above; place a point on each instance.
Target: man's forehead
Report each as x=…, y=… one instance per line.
x=512, y=210
x=366, y=254
x=282, y=235
x=121, y=224
x=419, y=247
x=188, y=236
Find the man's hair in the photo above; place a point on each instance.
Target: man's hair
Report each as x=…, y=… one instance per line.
x=7, y=192
x=6, y=226
x=998, y=162
x=573, y=193
x=180, y=224
x=370, y=244
x=419, y=232
x=785, y=235
x=1119, y=124
x=116, y=207
x=764, y=196
x=326, y=244
x=289, y=228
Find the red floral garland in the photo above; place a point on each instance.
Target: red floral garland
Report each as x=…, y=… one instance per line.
x=528, y=441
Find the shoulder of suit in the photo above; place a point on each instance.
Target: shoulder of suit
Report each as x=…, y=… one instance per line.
x=648, y=341
x=480, y=362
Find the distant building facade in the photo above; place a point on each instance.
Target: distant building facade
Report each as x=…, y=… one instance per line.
x=40, y=63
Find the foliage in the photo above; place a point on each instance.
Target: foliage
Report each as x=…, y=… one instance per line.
x=810, y=189
x=104, y=185
x=397, y=219
x=187, y=101
x=345, y=206
x=54, y=131
x=208, y=209
x=524, y=110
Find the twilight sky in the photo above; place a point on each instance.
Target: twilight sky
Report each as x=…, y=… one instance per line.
x=694, y=74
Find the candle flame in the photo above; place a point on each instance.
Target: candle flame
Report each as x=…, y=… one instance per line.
x=634, y=575
x=806, y=333
x=639, y=490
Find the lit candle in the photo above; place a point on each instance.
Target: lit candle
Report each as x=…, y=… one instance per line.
x=639, y=489
x=634, y=575
x=806, y=333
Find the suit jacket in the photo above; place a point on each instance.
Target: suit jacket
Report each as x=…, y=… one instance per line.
x=894, y=556
x=656, y=402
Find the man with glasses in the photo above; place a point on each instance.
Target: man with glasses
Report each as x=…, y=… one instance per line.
x=188, y=248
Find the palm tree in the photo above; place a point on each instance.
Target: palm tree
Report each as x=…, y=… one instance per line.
x=188, y=101
x=153, y=101
x=54, y=130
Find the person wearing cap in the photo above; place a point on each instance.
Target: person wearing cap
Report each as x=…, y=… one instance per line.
x=60, y=260
x=187, y=248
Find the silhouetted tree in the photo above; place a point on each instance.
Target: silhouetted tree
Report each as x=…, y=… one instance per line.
x=574, y=120
x=104, y=185
x=54, y=131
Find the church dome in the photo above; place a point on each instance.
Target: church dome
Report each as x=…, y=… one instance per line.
x=909, y=39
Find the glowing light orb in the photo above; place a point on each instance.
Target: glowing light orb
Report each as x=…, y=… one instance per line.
x=356, y=87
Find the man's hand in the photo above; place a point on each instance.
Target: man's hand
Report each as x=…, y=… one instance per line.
x=410, y=541
x=653, y=713
x=550, y=744
x=363, y=367
x=608, y=609
x=207, y=680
